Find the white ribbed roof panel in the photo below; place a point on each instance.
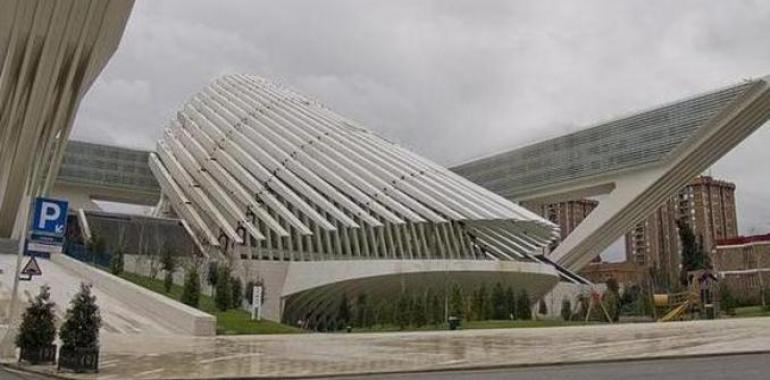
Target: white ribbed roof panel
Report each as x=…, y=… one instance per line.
x=307, y=184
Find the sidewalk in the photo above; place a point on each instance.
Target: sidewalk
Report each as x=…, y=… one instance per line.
x=155, y=357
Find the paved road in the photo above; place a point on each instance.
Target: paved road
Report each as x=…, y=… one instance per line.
x=743, y=367
x=13, y=375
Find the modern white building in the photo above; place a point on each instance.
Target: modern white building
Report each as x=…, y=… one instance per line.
x=636, y=162
x=318, y=206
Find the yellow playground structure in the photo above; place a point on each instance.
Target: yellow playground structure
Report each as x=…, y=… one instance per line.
x=700, y=301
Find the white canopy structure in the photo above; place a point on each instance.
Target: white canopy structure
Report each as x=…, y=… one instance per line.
x=250, y=160
x=259, y=171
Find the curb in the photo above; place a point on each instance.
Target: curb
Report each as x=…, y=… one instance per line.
x=20, y=368
x=33, y=371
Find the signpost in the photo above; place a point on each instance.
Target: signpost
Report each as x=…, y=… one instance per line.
x=256, y=303
x=43, y=235
x=49, y=222
x=31, y=269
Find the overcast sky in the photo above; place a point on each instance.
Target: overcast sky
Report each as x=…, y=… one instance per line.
x=451, y=80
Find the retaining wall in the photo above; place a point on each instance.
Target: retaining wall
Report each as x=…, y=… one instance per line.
x=173, y=314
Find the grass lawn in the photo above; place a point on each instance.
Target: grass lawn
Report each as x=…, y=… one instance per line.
x=478, y=325
x=751, y=311
x=230, y=322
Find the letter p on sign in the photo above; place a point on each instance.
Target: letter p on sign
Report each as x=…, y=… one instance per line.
x=49, y=212
x=50, y=217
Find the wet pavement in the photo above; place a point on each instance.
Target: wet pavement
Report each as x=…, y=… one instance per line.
x=136, y=356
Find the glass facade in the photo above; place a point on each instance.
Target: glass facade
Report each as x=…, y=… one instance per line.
x=641, y=139
x=107, y=166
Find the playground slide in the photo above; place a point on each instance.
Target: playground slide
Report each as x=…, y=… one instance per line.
x=675, y=313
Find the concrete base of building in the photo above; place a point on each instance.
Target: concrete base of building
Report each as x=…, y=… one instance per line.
x=312, y=291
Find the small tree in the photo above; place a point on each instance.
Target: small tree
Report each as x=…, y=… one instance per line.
x=117, y=262
x=96, y=246
x=82, y=321
x=211, y=275
x=727, y=303
x=435, y=308
x=693, y=257
x=38, y=330
x=510, y=303
x=404, y=310
x=611, y=303
x=168, y=264
x=191, y=292
x=237, y=291
x=418, y=311
x=566, y=309
x=343, y=313
x=542, y=309
x=500, y=311
x=611, y=299
x=362, y=311
x=523, y=307
x=223, y=297
x=456, y=303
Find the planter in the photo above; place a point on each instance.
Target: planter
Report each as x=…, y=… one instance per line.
x=38, y=355
x=79, y=359
x=454, y=323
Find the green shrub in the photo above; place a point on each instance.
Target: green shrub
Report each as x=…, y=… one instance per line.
x=419, y=316
x=191, y=292
x=237, y=291
x=117, y=262
x=456, y=302
x=343, y=313
x=223, y=296
x=81, y=324
x=404, y=311
x=728, y=303
x=168, y=264
x=566, y=309
x=211, y=275
x=523, y=307
x=38, y=329
x=436, y=308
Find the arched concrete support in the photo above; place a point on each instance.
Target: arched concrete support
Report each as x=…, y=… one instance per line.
x=637, y=193
x=313, y=290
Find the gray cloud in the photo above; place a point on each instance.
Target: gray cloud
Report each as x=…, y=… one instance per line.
x=451, y=80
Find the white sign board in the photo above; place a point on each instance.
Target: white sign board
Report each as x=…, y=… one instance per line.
x=256, y=303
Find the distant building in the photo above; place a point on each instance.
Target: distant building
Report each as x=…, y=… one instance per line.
x=706, y=204
x=567, y=215
x=743, y=263
x=625, y=273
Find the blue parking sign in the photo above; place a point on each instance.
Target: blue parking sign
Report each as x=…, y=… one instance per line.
x=49, y=217
x=47, y=228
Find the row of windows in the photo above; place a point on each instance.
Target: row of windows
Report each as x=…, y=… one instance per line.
x=633, y=141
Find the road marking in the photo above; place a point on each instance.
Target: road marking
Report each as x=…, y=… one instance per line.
x=150, y=372
x=222, y=358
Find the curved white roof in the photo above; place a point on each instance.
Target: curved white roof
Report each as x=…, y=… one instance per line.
x=251, y=162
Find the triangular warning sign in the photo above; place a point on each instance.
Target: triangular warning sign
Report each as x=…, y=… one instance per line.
x=32, y=268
